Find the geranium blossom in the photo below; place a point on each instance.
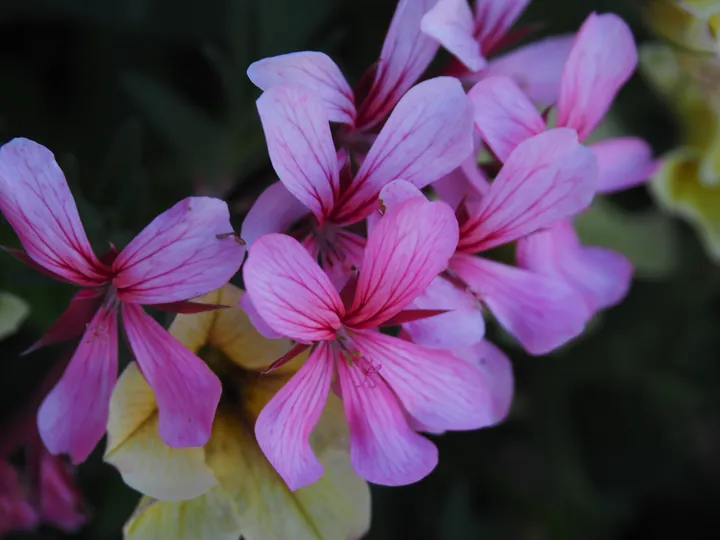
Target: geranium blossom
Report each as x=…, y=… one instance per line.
x=602, y=59
x=545, y=179
x=428, y=134
x=184, y=252
x=41, y=491
x=387, y=385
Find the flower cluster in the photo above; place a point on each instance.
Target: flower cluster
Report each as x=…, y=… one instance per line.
x=371, y=265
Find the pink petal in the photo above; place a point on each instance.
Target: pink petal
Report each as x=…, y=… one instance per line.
x=396, y=192
x=503, y=115
x=73, y=321
x=263, y=328
x=73, y=416
x=601, y=275
x=493, y=18
x=186, y=390
x=601, y=60
x=185, y=252
x=60, y=499
x=16, y=512
x=36, y=201
x=410, y=245
x=451, y=23
x=383, y=448
x=428, y=134
x=285, y=423
x=466, y=183
x=274, y=211
x=546, y=178
x=300, y=146
x=290, y=291
x=436, y=388
x=405, y=55
x=463, y=326
x=498, y=374
x=536, y=68
x=624, y=162
x=542, y=312
x=314, y=70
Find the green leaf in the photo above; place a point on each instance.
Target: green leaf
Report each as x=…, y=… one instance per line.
x=649, y=239
x=13, y=311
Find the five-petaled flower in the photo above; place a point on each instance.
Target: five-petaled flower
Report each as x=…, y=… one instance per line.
x=390, y=387
x=184, y=252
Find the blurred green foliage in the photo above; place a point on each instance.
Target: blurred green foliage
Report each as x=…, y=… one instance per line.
x=146, y=101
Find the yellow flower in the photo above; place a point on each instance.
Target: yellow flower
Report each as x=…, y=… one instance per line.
x=228, y=489
x=688, y=183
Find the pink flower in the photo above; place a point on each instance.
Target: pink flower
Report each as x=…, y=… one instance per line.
x=473, y=37
x=427, y=135
x=601, y=60
x=185, y=252
x=44, y=490
x=405, y=55
x=387, y=384
x=545, y=179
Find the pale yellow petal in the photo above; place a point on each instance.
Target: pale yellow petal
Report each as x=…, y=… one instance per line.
x=234, y=334
x=208, y=517
x=678, y=187
x=13, y=311
x=709, y=173
x=659, y=65
x=677, y=25
x=192, y=330
x=134, y=446
x=335, y=507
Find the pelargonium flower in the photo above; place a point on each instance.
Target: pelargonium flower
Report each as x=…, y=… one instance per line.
x=405, y=55
x=428, y=134
x=388, y=385
x=474, y=37
x=184, y=252
x=228, y=489
x=602, y=59
x=57, y=500
x=545, y=179
x=42, y=491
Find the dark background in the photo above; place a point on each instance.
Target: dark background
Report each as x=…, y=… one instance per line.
x=144, y=102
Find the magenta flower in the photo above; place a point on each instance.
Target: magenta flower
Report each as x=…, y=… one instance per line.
x=43, y=490
x=602, y=59
x=427, y=135
x=387, y=385
x=545, y=179
x=474, y=37
x=184, y=252
x=405, y=55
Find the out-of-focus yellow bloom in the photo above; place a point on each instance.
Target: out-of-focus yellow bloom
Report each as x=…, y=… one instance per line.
x=227, y=488
x=13, y=311
x=688, y=183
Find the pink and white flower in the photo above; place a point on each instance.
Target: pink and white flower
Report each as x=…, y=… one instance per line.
x=545, y=179
x=602, y=59
x=183, y=253
x=387, y=384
